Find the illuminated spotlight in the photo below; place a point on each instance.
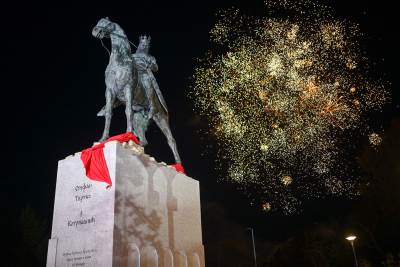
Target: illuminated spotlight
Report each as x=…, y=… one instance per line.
x=351, y=238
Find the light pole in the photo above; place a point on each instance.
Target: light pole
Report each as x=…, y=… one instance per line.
x=351, y=239
x=254, y=247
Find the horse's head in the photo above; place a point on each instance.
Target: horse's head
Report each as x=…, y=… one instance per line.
x=103, y=28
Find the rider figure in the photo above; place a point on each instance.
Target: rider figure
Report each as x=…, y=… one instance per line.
x=146, y=64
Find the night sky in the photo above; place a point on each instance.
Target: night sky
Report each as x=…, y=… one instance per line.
x=55, y=77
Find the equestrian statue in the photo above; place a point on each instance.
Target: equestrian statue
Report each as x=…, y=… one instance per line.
x=130, y=81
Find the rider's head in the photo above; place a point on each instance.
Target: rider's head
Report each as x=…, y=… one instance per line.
x=144, y=44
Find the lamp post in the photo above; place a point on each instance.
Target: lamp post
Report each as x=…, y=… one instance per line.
x=351, y=239
x=254, y=247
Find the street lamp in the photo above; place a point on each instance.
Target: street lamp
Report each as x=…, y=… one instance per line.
x=351, y=239
x=254, y=247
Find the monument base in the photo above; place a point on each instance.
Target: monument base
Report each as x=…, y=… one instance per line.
x=149, y=217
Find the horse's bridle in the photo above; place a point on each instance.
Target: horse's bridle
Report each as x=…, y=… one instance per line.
x=109, y=31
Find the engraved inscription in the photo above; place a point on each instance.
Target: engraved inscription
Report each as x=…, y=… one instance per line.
x=80, y=257
x=82, y=192
x=81, y=221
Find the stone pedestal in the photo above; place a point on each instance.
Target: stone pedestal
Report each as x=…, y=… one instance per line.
x=149, y=217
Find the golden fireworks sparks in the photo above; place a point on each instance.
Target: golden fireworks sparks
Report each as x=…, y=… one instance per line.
x=279, y=98
x=266, y=206
x=374, y=139
x=286, y=180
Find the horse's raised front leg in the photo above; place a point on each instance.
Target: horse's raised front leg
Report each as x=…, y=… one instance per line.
x=108, y=114
x=128, y=107
x=162, y=123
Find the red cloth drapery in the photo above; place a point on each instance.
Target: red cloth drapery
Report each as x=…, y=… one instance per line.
x=179, y=168
x=94, y=161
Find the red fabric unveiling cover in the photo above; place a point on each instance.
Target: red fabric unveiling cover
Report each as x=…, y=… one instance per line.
x=94, y=161
x=179, y=168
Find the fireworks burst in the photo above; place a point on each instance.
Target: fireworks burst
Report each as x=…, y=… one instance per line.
x=374, y=139
x=284, y=96
x=287, y=180
x=266, y=207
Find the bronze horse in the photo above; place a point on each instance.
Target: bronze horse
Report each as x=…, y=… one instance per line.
x=130, y=81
